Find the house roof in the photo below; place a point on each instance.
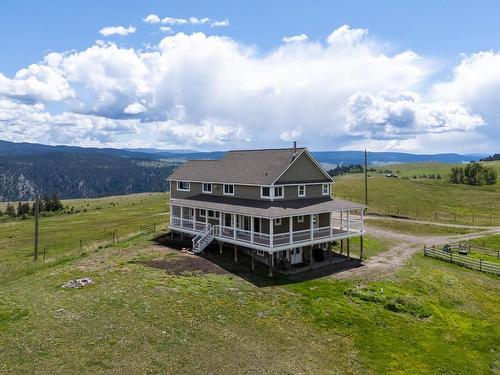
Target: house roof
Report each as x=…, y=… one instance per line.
x=259, y=167
x=267, y=209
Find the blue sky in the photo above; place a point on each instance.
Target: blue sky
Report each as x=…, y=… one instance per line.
x=428, y=68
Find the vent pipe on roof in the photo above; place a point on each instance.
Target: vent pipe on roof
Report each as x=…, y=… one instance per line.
x=294, y=149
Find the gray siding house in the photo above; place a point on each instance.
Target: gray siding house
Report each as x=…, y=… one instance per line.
x=275, y=204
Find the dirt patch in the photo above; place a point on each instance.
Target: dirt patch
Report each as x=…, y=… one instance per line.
x=184, y=264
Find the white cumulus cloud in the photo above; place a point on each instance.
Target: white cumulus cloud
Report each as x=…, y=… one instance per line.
x=220, y=23
x=215, y=92
x=152, y=18
x=117, y=30
x=295, y=38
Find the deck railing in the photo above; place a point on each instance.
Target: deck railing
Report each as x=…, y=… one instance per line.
x=278, y=239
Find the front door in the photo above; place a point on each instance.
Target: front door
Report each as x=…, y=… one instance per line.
x=296, y=255
x=315, y=221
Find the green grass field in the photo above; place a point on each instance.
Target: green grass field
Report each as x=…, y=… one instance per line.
x=61, y=234
x=424, y=199
x=430, y=317
x=419, y=229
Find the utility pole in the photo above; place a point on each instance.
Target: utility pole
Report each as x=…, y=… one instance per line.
x=366, y=179
x=37, y=214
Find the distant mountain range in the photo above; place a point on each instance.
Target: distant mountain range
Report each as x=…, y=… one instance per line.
x=80, y=172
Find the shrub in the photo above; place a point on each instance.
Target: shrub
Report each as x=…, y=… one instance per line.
x=473, y=174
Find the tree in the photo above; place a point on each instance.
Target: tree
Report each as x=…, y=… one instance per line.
x=473, y=174
x=10, y=211
x=23, y=209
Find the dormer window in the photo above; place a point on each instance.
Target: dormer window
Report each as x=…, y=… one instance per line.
x=207, y=188
x=326, y=189
x=183, y=186
x=228, y=189
x=302, y=191
x=278, y=192
x=265, y=192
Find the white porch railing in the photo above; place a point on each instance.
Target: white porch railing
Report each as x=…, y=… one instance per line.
x=278, y=239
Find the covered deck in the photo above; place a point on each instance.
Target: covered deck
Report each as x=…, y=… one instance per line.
x=269, y=226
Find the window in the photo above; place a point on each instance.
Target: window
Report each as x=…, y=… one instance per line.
x=228, y=189
x=203, y=213
x=212, y=213
x=183, y=185
x=326, y=189
x=260, y=253
x=302, y=190
x=277, y=222
x=207, y=188
x=265, y=192
x=278, y=192
x=300, y=219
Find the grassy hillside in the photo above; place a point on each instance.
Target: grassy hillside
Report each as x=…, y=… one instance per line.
x=61, y=234
x=140, y=317
x=154, y=310
x=424, y=198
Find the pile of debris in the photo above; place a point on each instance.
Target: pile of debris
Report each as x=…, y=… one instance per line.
x=78, y=283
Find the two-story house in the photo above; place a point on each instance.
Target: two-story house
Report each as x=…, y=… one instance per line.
x=275, y=204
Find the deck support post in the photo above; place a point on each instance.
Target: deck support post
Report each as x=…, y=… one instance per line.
x=235, y=254
x=253, y=266
x=348, y=249
x=310, y=254
x=221, y=244
x=171, y=235
x=271, y=262
x=360, y=248
x=341, y=246
x=289, y=259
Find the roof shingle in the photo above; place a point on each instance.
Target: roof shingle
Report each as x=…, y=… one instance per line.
x=261, y=167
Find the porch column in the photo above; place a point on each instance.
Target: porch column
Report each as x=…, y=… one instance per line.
x=182, y=216
x=311, y=225
x=251, y=231
x=206, y=217
x=271, y=232
x=348, y=223
x=233, y=220
x=341, y=220
x=330, y=221
x=341, y=246
x=290, y=229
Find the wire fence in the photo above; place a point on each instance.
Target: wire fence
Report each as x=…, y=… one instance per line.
x=438, y=216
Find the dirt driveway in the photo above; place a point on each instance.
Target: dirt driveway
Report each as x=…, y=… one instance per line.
x=389, y=261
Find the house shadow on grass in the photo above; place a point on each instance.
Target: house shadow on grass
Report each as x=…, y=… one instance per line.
x=212, y=261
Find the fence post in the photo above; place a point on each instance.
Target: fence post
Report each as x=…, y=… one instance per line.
x=435, y=216
x=114, y=236
x=44, y=250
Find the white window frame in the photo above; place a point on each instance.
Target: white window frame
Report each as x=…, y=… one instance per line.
x=214, y=215
x=278, y=222
x=327, y=189
x=262, y=191
x=203, y=212
x=224, y=189
x=185, y=182
x=203, y=187
x=300, y=219
x=303, y=193
x=282, y=192
x=260, y=253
